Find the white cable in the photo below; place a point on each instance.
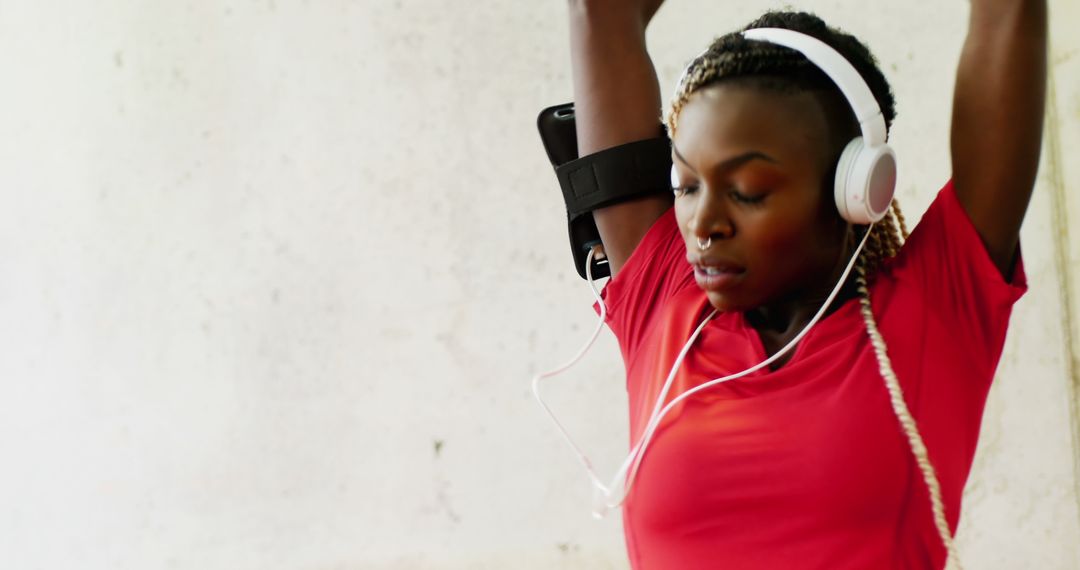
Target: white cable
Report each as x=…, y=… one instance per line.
x=536, y=379
x=654, y=421
x=636, y=455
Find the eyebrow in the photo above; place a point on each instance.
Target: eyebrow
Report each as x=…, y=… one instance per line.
x=733, y=162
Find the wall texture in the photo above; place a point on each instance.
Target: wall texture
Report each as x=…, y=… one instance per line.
x=274, y=276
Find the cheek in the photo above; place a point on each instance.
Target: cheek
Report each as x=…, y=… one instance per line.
x=799, y=221
x=775, y=237
x=787, y=248
x=683, y=210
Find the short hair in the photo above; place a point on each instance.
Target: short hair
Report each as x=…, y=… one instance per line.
x=733, y=58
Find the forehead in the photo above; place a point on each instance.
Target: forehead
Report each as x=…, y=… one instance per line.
x=729, y=119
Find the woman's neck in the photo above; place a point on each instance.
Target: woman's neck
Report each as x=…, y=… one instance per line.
x=780, y=321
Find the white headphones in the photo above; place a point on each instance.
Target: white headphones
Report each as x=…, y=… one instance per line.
x=866, y=173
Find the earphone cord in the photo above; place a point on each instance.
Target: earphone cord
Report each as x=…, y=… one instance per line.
x=536, y=379
x=633, y=460
x=638, y=453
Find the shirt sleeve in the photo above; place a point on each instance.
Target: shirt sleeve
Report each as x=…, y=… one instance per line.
x=946, y=260
x=656, y=270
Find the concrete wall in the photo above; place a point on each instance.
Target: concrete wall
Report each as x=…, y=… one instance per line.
x=274, y=276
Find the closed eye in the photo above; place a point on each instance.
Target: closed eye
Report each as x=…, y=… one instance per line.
x=683, y=190
x=737, y=196
x=745, y=198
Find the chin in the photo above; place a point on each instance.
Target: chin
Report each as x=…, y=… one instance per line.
x=727, y=303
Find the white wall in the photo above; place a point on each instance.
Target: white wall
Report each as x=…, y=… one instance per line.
x=274, y=276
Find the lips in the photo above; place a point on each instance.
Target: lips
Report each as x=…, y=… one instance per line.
x=714, y=274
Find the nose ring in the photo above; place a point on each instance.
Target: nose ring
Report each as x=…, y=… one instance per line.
x=703, y=245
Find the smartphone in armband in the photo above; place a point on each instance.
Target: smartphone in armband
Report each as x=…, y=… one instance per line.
x=558, y=132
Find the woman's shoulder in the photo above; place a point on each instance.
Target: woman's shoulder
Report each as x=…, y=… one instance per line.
x=944, y=249
x=653, y=275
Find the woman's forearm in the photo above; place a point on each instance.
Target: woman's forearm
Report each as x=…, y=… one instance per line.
x=616, y=91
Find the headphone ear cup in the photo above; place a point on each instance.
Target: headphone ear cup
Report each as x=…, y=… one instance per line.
x=865, y=182
x=841, y=192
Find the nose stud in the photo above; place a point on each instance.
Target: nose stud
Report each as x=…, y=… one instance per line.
x=703, y=245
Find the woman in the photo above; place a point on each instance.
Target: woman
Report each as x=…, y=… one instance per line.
x=805, y=464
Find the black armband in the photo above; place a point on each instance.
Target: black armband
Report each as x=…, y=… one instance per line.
x=616, y=175
x=602, y=179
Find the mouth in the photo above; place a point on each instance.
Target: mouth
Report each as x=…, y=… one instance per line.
x=717, y=277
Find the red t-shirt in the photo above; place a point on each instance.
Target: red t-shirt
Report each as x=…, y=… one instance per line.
x=807, y=466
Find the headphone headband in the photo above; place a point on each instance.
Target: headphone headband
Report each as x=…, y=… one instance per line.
x=839, y=69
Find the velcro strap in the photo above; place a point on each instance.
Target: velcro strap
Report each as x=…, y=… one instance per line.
x=616, y=175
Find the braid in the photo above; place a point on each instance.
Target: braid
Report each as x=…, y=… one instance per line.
x=907, y=422
x=731, y=58
x=747, y=59
x=885, y=240
x=900, y=219
x=884, y=243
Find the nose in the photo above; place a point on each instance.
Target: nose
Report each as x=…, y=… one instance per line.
x=710, y=219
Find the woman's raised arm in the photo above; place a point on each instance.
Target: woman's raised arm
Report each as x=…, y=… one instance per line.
x=616, y=101
x=998, y=118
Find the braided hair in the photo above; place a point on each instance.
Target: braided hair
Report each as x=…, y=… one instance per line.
x=732, y=59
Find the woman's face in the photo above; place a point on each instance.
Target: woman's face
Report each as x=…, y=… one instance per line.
x=753, y=162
